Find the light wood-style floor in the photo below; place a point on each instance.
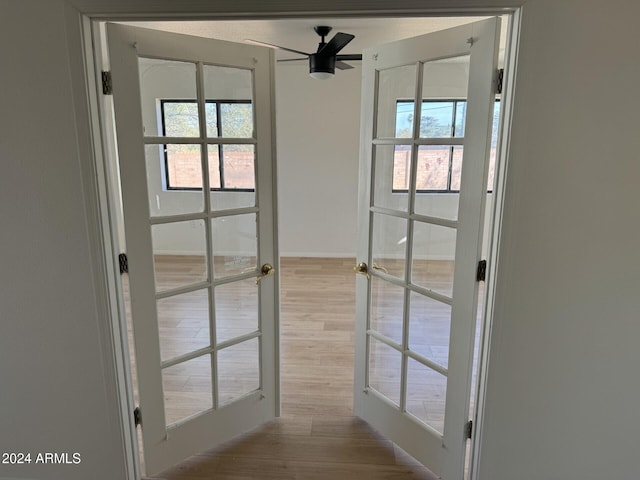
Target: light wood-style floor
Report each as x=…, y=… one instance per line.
x=317, y=437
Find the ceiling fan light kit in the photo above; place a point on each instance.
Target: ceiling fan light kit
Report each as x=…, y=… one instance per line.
x=321, y=75
x=321, y=67
x=323, y=63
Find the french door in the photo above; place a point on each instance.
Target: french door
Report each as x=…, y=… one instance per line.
x=195, y=139
x=427, y=108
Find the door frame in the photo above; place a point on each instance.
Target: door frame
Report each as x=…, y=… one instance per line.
x=495, y=237
x=102, y=217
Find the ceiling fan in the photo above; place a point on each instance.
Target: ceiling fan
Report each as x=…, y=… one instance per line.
x=322, y=63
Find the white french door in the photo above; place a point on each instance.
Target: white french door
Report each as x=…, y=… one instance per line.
x=195, y=135
x=427, y=107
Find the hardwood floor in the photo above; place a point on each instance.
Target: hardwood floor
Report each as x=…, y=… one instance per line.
x=317, y=436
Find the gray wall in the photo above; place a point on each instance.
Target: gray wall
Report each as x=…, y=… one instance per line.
x=56, y=384
x=563, y=382
x=564, y=387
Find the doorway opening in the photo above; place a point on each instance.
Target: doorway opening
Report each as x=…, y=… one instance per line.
x=317, y=178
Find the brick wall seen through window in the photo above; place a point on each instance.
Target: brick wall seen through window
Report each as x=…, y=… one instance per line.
x=231, y=166
x=439, y=167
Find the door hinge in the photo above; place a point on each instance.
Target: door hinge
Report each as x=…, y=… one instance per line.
x=481, y=273
x=468, y=429
x=107, y=87
x=499, y=80
x=124, y=263
x=137, y=416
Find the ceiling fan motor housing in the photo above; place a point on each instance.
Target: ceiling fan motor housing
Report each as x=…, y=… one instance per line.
x=322, y=63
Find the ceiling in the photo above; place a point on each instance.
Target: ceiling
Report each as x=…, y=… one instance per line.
x=298, y=33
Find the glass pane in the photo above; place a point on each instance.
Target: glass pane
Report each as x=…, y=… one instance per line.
x=445, y=79
x=238, y=162
x=436, y=119
x=187, y=389
x=387, y=307
x=238, y=371
x=396, y=94
x=183, y=322
x=433, y=261
x=238, y=177
x=179, y=254
x=389, y=244
x=236, y=309
x=404, y=118
x=426, y=394
x=392, y=168
x=183, y=167
x=433, y=174
x=429, y=328
x=401, y=166
x=174, y=179
x=179, y=118
x=213, y=153
x=236, y=119
x=235, y=244
x=433, y=168
x=211, y=117
x=456, y=168
x=175, y=84
x=229, y=92
x=494, y=146
x=385, y=370
x=461, y=116
x=476, y=345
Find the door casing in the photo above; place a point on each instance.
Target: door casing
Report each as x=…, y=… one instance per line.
x=102, y=193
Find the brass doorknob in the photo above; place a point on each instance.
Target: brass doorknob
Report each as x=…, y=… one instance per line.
x=362, y=269
x=267, y=271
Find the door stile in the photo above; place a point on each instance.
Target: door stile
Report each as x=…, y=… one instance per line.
x=138, y=234
x=266, y=201
x=364, y=235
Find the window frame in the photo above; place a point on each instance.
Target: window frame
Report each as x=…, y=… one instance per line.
x=217, y=103
x=451, y=148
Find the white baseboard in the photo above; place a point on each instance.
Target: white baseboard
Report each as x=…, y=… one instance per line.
x=318, y=254
x=296, y=254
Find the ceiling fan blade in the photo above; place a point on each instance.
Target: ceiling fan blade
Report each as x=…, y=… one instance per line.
x=271, y=45
x=352, y=57
x=342, y=66
x=337, y=43
x=293, y=60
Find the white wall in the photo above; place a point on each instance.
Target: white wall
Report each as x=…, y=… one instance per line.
x=56, y=383
x=563, y=382
x=564, y=387
x=318, y=130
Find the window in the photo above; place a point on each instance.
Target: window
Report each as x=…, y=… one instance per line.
x=439, y=166
x=231, y=166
